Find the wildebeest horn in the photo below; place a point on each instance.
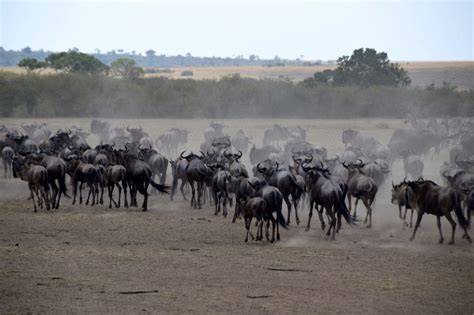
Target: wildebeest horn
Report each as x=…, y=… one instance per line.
x=182, y=156
x=261, y=170
x=202, y=155
x=393, y=185
x=405, y=180
x=310, y=159
x=69, y=131
x=344, y=163
x=226, y=154
x=277, y=165
x=240, y=154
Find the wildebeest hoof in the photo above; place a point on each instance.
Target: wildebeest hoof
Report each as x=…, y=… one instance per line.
x=451, y=243
x=368, y=226
x=307, y=229
x=441, y=241
x=411, y=239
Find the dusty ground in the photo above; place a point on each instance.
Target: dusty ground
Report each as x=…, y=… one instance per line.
x=83, y=259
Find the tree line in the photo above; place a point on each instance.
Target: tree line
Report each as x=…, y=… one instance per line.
x=98, y=95
x=151, y=58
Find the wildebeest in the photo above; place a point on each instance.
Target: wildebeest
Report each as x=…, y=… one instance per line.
x=253, y=208
x=330, y=194
x=274, y=135
x=116, y=175
x=196, y=172
x=412, y=165
x=240, y=141
x=220, y=187
x=287, y=185
x=37, y=178
x=178, y=169
x=157, y=162
x=402, y=198
x=273, y=203
x=171, y=140
x=56, y=168
x=361, y=186
x=139, y=177
x=7, y=158
x=439, y=201
x=82, y=172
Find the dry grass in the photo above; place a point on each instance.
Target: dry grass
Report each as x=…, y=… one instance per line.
x=460, y=73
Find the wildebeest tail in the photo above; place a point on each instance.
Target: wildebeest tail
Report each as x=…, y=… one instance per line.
x=45, y=181
x=62, y=182
x=280, y=218
x=342, y=209
x=297, y=190
x=160, y=188
x=458, y=210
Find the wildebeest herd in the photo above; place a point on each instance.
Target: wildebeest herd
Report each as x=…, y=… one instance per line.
x=286, y=169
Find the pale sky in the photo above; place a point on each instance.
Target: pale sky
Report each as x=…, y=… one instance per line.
x=406, y=30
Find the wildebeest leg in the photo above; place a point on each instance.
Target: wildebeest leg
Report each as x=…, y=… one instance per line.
x=349, y=202
x=236, y=211
x=355, y=209
x=339, y=222
x=417, y=224
x=260, y=229
x=110, y=187
x=267, y=230
x=80, y=193
x=411, y=218
x=333, y=221
x=369, y=211
x=91, y=192
x=55, y=192
x=101, y=194
x=288, y=205
x=321, y=218
x=295, y=205
x=174, y=185
x=453, y=225
x=124, y=186
x=216, y=197
x=224, y=211
x=120, y=194
x=143, y=189
x=308, y=226
x=193, y=195
x=32, y=195
x=438, y=223
x=74, y=184
x=273, y=229
x=44, y=197
x=183, y=183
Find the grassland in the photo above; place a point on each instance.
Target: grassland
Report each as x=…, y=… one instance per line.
x=459, y=73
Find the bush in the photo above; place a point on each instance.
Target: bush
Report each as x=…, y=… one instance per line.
x=97, y=95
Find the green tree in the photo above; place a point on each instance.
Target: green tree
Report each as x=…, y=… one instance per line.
x=365, y=68
x=31, y=64
x=125, y=68
x=73, y=61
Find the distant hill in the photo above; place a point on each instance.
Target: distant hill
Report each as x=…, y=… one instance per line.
x=9, y=58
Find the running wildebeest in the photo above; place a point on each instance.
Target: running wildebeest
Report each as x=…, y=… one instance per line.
x=439, y=201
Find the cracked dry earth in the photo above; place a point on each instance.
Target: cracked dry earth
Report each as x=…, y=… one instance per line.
x=174, y=259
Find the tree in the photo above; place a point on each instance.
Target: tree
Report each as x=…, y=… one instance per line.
x=31, y=64
x=26, y=50
x=365, y=68
x=73, y=61
x=150, y=53
x=125, y=68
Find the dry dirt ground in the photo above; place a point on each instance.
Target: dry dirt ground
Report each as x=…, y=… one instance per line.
x=174, y=259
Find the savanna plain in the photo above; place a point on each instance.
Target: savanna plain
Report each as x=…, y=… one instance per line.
x=175, y=259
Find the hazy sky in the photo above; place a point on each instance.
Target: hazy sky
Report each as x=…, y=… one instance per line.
x=407, y=30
